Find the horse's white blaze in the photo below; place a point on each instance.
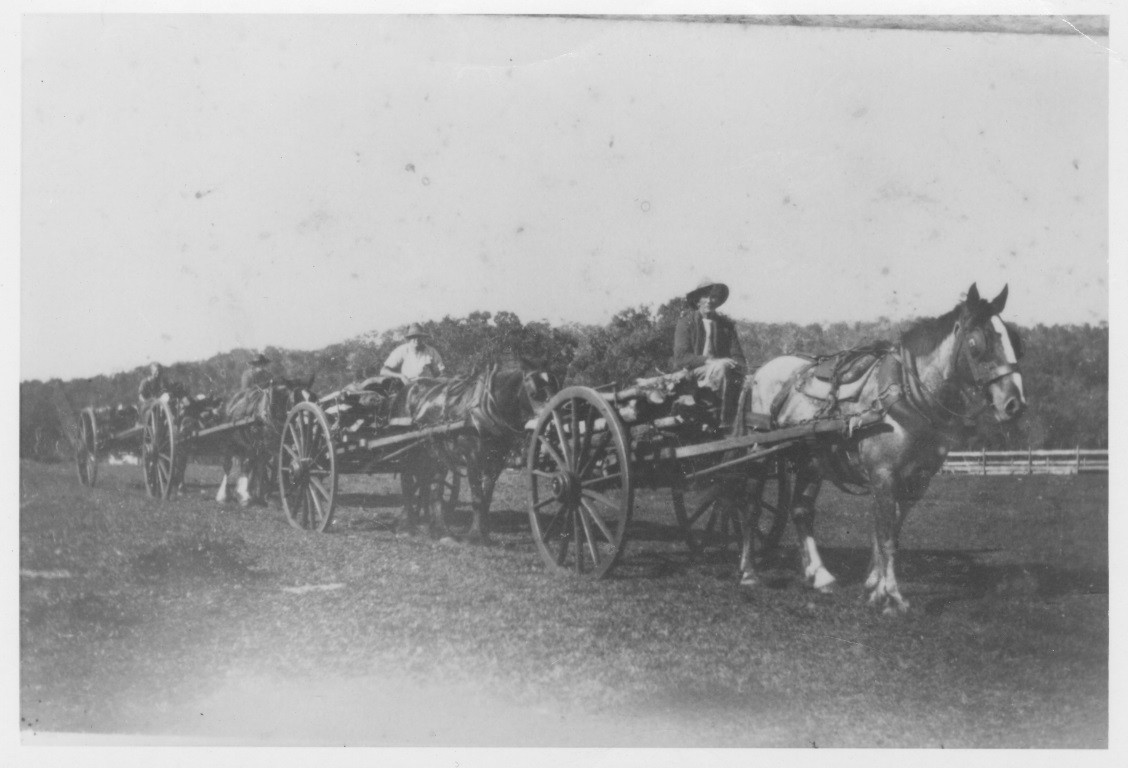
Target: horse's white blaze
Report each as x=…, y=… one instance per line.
x=1008, y=350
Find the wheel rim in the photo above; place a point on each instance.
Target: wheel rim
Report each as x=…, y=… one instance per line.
x=86, y=457
x=580, y=487
x=159, y=455
x=307, y=469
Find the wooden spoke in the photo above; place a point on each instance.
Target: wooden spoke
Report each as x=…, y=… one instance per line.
x=774, y=496
x=595, y=516
x=709, y=516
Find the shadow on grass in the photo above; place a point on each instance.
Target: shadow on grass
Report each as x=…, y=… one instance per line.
x=370, y=500
x=947, y=576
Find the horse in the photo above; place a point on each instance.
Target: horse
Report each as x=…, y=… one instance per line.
x=944, y=372
x=251, y=450
x=495, y=405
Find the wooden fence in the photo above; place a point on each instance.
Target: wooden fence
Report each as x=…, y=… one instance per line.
x=1067, y=462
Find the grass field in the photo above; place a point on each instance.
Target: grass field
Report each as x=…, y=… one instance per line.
x=188, y=619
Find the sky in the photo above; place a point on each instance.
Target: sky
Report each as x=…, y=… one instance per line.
x=191, y=184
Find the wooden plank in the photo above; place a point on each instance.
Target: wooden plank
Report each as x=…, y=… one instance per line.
x=811, y=429
x=414, y=434
x=222, y=428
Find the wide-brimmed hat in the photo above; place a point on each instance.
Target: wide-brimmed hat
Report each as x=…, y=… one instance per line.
x=260, y=359
x=415, y=329
x=705, y=286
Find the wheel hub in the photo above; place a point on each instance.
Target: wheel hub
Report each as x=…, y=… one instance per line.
x=566, y=488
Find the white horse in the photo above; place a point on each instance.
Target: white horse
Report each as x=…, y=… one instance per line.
x=944, y=371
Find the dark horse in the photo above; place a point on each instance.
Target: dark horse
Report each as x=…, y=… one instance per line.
x=944, y=371
x=251, y=450
x=495, y=405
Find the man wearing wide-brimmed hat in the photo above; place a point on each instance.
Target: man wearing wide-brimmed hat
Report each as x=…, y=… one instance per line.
x=415, y=358
x=256, y=374
x=708, y=341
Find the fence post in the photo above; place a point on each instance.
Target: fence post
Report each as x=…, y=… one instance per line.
x=1078, y=459
x=983, y=459
x=1029, y=460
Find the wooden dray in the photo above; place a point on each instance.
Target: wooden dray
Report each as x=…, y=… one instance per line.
x=590, y=450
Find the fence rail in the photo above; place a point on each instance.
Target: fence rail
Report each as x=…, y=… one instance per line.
x=1067, y=462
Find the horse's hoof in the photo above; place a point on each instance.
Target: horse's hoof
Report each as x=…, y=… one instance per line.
x=448, y=541
x=749, y=580
x=822, y=582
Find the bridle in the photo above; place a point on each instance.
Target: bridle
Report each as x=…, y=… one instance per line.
x=984, y=373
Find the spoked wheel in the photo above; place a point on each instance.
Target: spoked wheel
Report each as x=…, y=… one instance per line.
x=86, y=457
x=770, y=500
x=307, y=469
x=708, y=513
x=580, y=484
x=158, y=450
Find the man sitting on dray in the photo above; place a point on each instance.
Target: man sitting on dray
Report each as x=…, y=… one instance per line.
x=415, y=358
x=152, y=385
x=256, y=374
x=708, y=341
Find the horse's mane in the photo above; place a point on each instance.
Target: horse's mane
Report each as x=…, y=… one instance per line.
x=926, y=334
x=473, y=397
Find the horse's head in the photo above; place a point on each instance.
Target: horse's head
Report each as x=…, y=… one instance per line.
x=538, y=385
x=286, y=393
x=988, y=353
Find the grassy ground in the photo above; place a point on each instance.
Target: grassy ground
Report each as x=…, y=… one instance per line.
x=186, y=618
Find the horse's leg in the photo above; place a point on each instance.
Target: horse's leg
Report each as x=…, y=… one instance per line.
x=494, y=464
x=808, y=481
x=749, y=523
x=410, y=483
x=888, y=513
x=221, y=494
x=244, y=465
x=258, y=479
x=477, y=493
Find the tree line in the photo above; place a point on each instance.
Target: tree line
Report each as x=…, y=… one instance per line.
x=1065, y=368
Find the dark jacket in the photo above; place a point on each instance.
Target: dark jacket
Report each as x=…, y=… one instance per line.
x=689, y=341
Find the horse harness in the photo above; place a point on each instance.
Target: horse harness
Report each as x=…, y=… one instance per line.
x=901, y=392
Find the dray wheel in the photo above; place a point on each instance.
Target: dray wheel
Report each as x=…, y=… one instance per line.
x=770, y=499
x=86, y=457
x=158, y=450
x=580, y=484
x=307, y=468
x=708, y=513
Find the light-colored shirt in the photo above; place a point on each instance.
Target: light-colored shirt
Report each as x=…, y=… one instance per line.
x=255, y=377
x=413, y=363
x=709, y=349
